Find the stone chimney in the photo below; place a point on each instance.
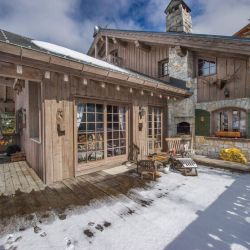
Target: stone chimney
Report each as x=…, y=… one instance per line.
x=178, y=17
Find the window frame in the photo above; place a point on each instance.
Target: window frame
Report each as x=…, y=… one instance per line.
x=152, y=140
x=209, y=59
x=229, y=110
x=161, y=68
x=82, y=166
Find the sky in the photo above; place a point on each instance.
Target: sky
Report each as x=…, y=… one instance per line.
x=70, y=23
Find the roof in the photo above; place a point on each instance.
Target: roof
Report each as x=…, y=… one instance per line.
x=68, y=54
x=244, y=32
x=192, y=40
x=175, y=3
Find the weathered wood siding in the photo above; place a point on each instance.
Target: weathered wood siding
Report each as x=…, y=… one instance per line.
x=140, y=60
x=60, y=155
x=238, y=87
x=32, y=148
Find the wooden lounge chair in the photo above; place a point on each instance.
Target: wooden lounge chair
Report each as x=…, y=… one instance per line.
x=145, y=167
x=179, y=159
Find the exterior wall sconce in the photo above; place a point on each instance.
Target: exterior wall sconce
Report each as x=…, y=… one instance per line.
x=226, y=93
x=131, y=90
x=142, y=92
x=142, y=112
x=152, y=94
x=85, y=82
x=103, y=85
x=118, y=88
x=202, y=118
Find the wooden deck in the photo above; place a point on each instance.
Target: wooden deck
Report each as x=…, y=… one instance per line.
x=23, y=194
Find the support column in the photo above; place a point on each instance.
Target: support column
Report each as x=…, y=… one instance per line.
x=107, y=46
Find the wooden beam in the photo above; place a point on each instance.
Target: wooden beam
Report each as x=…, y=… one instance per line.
x=119, y=42
x=28, y=73
x=181, y=51
x=142, y=46
x=96, y=51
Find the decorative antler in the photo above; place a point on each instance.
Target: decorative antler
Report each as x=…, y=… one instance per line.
x=221, y=82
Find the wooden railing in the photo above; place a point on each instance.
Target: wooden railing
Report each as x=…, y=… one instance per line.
x=113, y=59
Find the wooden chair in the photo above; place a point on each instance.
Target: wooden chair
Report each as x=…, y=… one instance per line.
x=178, y=157
x=145, y=167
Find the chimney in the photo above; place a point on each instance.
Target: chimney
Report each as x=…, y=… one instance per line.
x=178, y=17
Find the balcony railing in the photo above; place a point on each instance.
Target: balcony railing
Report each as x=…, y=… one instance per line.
x=113, y=59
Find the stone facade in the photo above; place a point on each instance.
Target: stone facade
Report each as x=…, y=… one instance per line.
x=243, y=103
x=181, y=111
x=178, y=20
x=211, y=146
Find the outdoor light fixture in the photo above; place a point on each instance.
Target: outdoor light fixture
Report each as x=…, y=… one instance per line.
x=85, y=82
x=168, y=97
x=160, y=96
x=202, y=118
x=152, y=94
x=47, y=75
x=118, y=88
x=142, y=92
x=66, y=77
x=103, y=85
x=131, y=90
x=142, y=112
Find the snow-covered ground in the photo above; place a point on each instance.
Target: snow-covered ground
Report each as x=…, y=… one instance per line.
x=211, y=211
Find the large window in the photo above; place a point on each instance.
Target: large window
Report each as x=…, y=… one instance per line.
x=206, y=67
x=101, y=131
x=155, y=128
x=230, y=120
x=116, y=122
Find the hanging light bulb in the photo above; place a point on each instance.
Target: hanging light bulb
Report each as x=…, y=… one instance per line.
x=85, y=82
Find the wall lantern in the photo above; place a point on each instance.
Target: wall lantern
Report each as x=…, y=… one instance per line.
x=152, y=94
x=130, y=90
x=202, y=118
x=118, y=88
x=85, y=82
x=142, y=92
x=142, y=112
x=103, y=85
x=226, y=93
x=160, y=96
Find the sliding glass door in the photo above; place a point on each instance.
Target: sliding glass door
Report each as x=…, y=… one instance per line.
x=101, y=131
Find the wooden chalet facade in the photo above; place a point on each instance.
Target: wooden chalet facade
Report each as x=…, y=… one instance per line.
x=76, y=116
x=215, y=69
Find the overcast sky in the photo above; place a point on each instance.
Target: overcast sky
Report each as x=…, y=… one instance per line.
x=71, y=22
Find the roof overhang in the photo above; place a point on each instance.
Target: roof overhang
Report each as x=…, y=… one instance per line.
x=31, y=57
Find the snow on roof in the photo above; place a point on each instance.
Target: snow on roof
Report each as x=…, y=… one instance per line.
x=78, y=56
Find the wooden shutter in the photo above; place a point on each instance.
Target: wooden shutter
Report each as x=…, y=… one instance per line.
x=202, y=122
x=248, y=123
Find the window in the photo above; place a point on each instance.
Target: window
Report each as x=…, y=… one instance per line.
x=34, y=110
x=116, y=123
x=163, y=68
x=155, y=128
x=101, y=131
x=90, y=123
x=230, y=120
x=206, y=67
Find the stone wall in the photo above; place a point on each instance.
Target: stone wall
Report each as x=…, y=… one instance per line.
x=243, y=103
x=211, y=146
x=181, y=111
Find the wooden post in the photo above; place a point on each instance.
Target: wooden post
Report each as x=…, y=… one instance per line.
x=107, y=46
x=96, y=51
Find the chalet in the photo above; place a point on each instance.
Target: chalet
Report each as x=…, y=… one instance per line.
x=215, y=69
x=78, y=113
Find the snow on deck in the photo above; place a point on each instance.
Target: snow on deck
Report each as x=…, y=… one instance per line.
x=211, y=211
